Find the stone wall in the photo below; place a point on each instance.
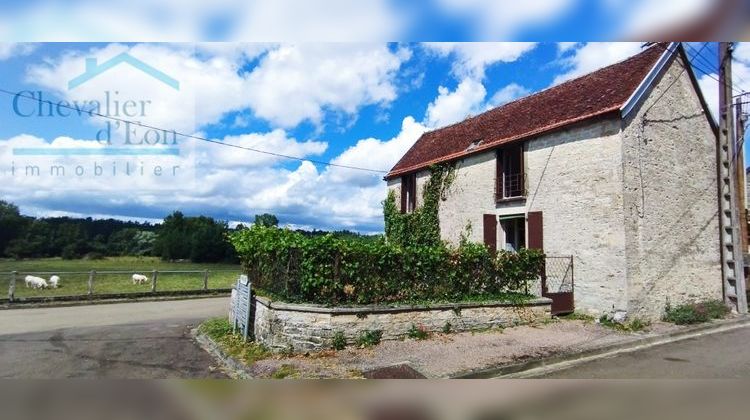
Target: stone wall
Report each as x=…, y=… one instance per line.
x=310, y=327
x=670, y=199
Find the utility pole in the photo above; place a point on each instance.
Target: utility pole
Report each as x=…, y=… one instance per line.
x=732, y=253
x=740, y=170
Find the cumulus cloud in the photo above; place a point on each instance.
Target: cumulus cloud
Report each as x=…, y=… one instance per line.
x=507, y=94
x=15, y=49
x=453, y=106
x=472, y=58
x=643, y=17
x=595, y=55
x=502, y=19
x=295, y=83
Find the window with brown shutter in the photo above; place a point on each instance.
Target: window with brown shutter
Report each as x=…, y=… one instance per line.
x=408, y=193
x=510, y=179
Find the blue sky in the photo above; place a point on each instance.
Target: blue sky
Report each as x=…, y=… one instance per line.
x=356, y=104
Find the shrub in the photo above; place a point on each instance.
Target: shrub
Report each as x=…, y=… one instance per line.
x=333, y=270
x=696, y=312
x=447, y=328
x=369, y=338
x=417, y=333
x=338, y=342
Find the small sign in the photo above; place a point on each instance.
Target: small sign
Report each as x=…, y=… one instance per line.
x=242, y=304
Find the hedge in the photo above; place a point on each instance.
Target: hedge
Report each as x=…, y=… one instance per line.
x=333, y=271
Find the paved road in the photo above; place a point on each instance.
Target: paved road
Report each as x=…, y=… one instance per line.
x=128, y=340
x=721, y=355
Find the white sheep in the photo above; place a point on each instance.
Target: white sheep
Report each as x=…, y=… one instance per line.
x=35, y=282
x=54, y=281
x=139, y=279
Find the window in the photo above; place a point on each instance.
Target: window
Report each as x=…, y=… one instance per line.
x=513, y=232
x=408, y=193
x=510, y=177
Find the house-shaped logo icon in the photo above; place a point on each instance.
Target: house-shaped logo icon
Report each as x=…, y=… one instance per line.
x=94, y=69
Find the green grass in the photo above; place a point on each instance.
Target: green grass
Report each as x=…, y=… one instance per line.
x=220, y=275
x=634, y=325
x=220, y=331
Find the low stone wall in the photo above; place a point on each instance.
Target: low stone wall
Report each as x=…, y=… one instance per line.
x=280, y=326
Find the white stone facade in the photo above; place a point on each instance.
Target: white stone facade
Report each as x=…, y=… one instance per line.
x=634, y=201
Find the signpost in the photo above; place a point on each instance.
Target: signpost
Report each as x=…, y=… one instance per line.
x=242, y=304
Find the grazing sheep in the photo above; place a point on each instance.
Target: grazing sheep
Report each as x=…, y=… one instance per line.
x=35, y=282
x=54, y=281
x=139, y=279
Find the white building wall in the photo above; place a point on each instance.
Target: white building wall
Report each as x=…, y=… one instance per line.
x=671, y=203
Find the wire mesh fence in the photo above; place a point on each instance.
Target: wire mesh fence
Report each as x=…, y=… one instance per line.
x=83, y=284
x=558, y=274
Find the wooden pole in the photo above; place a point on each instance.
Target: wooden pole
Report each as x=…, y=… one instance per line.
x=92, y=273
x=205, y=280
x=12, y=287
x=154, y=274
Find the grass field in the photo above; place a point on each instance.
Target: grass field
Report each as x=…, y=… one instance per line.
x=219, y=276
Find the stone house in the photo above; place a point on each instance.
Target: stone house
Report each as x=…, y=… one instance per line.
x=617, y=168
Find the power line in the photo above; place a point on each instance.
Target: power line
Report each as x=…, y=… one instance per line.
x=710, y=65
x=192, y=136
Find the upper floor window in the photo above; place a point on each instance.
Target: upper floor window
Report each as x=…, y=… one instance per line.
x=408, y=193
x=510, y=179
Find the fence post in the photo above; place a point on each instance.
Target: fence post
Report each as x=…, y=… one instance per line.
x=92, y=273
x=154, y=274
x=205, y=280
x=12, y=287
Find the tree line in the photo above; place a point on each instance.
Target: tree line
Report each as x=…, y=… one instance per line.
x=178, y=237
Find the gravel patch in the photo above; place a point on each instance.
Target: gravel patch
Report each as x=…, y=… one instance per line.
x=444, y=355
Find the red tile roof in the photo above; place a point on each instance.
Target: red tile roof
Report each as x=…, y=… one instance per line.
x=595, y=94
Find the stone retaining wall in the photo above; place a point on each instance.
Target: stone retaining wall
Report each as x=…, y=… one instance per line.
x=280, y=326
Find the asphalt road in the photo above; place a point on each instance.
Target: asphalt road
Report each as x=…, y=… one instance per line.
x=711, y=356
x=128, y=340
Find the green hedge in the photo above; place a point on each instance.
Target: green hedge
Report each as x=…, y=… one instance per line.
x=333, y=271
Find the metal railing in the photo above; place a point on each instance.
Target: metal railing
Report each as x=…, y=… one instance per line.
x=510, y=186
x=87, y=284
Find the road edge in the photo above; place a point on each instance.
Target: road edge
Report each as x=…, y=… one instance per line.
x=234, y=368
x=538, y=367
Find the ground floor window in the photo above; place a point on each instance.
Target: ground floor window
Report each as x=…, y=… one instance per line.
x=513, y=232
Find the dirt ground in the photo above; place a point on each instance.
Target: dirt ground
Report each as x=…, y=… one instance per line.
x=446, y=355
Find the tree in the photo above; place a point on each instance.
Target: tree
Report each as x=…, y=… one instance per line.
x=172, y=238
x=12, y=225
x=266, y=219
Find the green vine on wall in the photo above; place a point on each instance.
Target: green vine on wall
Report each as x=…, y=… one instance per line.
x=422, y=226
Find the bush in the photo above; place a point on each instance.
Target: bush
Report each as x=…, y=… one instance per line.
x=369, y=338
x=338, y=342
x=333, y=270
x=695, y=313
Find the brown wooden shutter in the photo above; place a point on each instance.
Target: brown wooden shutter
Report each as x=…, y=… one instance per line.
x=535, y=230
x=490, y=231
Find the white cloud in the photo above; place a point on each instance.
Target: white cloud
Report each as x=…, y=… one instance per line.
x=643, y=17
x=472, y=58
x=507, y=94
x=741, y=66
x=179, y=20
x=295, y=83
x=502, y=19
x=15, y=49
x=564, y=47
x=595, y=55
x=453, y=106
x=291, y=83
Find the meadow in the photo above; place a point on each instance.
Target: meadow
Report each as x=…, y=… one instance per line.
x=74, y=275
